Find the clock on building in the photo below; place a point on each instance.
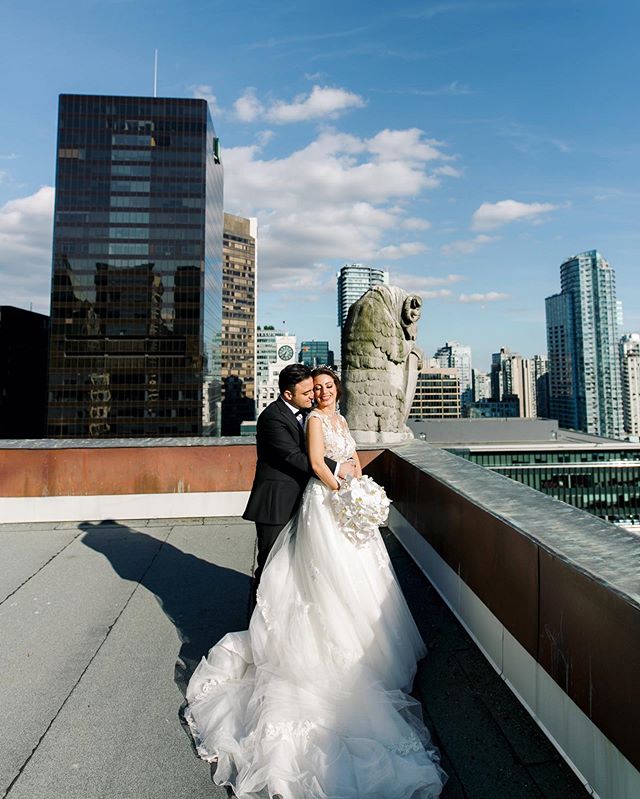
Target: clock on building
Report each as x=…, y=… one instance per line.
x=285, y=353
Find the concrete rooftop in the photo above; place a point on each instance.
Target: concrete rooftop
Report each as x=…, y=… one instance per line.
x=101, y=623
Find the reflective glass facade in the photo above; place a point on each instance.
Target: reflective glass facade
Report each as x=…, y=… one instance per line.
x=316, y=353
x=136, y=299
x=353, y=281
x=603, y=482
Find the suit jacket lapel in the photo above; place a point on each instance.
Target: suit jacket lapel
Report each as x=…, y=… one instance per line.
x=291, y=419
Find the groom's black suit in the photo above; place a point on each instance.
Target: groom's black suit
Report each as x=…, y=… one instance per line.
x=282, y=472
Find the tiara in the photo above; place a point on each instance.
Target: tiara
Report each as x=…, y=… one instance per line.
x=327, y=369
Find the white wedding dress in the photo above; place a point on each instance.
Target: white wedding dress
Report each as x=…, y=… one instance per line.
x=310, y=702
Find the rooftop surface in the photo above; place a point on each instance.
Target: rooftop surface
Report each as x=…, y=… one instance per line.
x=102, y=623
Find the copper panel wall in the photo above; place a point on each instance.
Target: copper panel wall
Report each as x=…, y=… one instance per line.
x=129, y=470
x=497, y=562
x=590, y=645
x=126, y=470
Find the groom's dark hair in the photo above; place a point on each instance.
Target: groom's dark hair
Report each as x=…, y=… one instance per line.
x=291, y=375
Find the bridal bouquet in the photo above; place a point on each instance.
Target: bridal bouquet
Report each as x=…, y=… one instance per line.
x=360, y=506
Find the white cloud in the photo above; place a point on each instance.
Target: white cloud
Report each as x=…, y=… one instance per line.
x=427, y=286
x=26, y=226
x=438, y=294
x=394, y=252
x=414, y=223
x=340, y=198
x=247, y=107
x=205, y=92
x=391, y=145
x=263, y=137
x=493, y=215
x=449, y=171
x=490, y=296
x=324, y=102
x=467, y=246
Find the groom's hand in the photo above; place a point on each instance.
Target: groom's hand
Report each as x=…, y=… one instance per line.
x=347, y=469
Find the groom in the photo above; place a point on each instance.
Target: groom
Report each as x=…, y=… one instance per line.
x=283, y=469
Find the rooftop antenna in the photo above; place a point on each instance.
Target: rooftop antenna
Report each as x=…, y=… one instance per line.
x=155, y=74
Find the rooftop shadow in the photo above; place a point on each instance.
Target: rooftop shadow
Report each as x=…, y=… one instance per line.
x=203, y=600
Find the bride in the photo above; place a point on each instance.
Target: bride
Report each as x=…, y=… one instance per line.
x=310, y=702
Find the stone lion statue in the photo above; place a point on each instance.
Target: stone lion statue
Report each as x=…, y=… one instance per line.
x=380, y=363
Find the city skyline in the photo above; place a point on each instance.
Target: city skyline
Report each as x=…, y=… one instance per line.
x=466, y=159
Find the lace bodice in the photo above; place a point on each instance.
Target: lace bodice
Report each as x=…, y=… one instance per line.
x=338, y=442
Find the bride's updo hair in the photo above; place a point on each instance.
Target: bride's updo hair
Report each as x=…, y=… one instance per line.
x=325, y=370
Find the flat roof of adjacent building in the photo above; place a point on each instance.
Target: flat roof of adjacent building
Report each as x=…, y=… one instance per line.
x=507, y=433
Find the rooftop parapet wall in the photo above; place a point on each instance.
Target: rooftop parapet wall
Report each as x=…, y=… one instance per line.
x=53, y=468
x=564, y=584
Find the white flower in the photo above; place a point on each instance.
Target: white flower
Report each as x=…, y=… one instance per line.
x=360, y=506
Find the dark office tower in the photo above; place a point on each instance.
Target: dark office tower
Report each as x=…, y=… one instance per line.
x=316, y=353
x=136, y=299
x=24, y=338
x=238, y=322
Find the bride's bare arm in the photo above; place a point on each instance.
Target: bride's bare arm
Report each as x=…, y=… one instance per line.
x=315, y=451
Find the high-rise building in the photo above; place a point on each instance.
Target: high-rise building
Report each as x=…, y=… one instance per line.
x=516, y=379
x=582, y=338
x=498, y=373
x=316, y=353
x=238, y=346
x=136, y=299
x=24, y=341
x=524, y=386
x=541, y=377
x=630, y=367
x=353, y=281
x=437, y=393
x=283, y=354
x=266, y=351
x=481, y=385
x=454, y=355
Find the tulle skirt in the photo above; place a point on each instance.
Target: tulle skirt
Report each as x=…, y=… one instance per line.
x=310, y=702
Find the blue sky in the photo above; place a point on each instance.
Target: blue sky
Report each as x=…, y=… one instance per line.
x=468, y=147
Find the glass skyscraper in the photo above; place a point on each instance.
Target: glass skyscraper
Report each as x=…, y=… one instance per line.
x=582, y=340
x=353, y=281
x=136, y=298
x=316, y=353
